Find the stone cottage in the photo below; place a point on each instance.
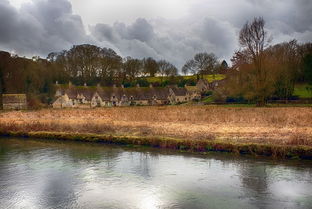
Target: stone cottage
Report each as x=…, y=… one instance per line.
x=178, y=95
x=14, y=101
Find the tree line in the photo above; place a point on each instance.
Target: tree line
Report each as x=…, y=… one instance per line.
x=94, y=65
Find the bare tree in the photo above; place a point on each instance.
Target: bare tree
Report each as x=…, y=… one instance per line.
x=189, y=67
x=110, y=66
x=132, y=68
x=287, y=60
x=201, y=64
x=166, y=68
x=254, y=39
x=150, y=66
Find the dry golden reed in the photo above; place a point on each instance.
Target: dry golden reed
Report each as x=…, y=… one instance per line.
x=281, y=126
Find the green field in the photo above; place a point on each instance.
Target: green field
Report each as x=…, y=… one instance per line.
x=209, y=78
x=208, y=99
x=302, y=92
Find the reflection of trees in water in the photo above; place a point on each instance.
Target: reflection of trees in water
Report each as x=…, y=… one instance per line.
x=89, y=154
x=144, y=168
x=141, y=163
x=254, y=179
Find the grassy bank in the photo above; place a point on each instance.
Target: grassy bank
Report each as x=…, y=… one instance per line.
x=301, y=90
x=201, y=146
x=278, y=130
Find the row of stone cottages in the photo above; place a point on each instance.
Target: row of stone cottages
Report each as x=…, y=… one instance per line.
x=71, y=96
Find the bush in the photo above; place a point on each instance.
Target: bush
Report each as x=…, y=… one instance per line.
x=34, y=102
x=143, y=82
x=207, y=93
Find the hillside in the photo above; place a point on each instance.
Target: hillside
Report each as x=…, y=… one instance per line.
x=209, y=78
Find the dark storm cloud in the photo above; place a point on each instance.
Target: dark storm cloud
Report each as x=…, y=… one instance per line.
x=50, y=25
x=39, y=27
x=176, y=44
x=133, y=40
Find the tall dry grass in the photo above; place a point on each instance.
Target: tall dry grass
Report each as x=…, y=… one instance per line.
x=286, y=125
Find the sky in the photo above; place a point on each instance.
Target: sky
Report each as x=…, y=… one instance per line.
x=174, y=30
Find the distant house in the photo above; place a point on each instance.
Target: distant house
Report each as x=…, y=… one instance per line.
x=179, y=95
x=14, y=101
x=203, y=85
x=193, y=92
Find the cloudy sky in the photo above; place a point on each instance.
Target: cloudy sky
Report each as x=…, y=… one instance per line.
x=164, y=29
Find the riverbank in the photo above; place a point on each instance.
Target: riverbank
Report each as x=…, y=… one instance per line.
x=279, y=132
x=198, y=146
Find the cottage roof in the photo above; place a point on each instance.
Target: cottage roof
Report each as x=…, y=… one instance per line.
x=86, y=92
x=71, y=93
x=105, y=93
x=142, y=93
x=161, y=93
x=179, y=91
x=191, y=88
x=13, y=98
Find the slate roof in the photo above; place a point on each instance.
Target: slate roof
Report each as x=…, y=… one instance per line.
x=86, y=92
x=179, y=91
x=138, y=93
x=104, y=93
x=13, y=98
x=71, y=93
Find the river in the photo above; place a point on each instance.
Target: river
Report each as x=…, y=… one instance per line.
x=56, y=174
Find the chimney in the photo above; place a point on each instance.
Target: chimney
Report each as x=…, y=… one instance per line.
x=138, y=85
x=151, y=85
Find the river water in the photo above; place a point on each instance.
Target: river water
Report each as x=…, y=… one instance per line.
x=55, y=174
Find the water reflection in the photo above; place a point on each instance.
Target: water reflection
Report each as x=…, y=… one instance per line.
x=42, y=174
x=254, y=180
